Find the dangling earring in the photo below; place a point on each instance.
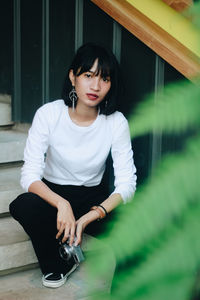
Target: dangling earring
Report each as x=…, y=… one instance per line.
x=73, y=97
x=106, y=106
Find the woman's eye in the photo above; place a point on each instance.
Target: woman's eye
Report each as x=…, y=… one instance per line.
x=106, y=79
x=88, y=75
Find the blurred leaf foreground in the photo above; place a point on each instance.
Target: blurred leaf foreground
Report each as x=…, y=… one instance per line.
x=156, y=237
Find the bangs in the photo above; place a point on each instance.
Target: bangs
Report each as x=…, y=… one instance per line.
x=103, y=67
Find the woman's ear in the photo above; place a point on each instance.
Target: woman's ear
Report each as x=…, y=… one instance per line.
x=72, y=77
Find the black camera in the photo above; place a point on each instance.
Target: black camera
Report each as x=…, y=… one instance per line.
x=67, y=252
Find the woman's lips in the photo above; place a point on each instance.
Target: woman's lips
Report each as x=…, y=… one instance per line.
x=92, y=96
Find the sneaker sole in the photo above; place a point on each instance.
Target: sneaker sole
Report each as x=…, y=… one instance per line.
x=58, y=283
x=53, y=284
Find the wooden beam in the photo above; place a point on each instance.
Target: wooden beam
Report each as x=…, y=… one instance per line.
x=179, y=5
x=160, y=41
x=174, y=23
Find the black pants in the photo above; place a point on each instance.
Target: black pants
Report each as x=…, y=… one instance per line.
x=39, y=219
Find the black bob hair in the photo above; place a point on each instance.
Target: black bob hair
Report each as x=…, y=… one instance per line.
x=107, y=66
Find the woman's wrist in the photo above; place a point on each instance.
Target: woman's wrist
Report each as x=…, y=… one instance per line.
x=100, y=210
x=61, y=201
x=90, y=217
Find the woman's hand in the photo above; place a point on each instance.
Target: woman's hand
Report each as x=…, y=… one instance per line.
x=65, y=217
x=66, y=222
x=80, y=227
x=82, y=222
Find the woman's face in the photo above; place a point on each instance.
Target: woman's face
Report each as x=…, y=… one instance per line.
x=91, y=88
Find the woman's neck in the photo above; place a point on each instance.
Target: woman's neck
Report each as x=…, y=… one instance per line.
x=83, y=115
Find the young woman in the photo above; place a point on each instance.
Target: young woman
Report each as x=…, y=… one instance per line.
x=64, y=161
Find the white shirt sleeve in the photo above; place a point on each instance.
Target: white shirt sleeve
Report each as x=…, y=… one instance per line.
x=122, y=155
x=36, y=146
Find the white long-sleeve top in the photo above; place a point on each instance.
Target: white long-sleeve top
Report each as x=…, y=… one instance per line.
x=64, y=153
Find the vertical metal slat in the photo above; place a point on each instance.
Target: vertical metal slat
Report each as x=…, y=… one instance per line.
x=117, y=36
x=16, y=101
x=78, y=24
x=45, y=51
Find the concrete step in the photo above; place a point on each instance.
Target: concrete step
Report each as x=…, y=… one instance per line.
x=16, y=252
x=12, y=145
x=5, y=110
x=9, y=186
x=27, y=285
x=16, y=249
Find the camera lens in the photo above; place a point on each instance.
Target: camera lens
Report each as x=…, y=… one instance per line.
x=65, y=252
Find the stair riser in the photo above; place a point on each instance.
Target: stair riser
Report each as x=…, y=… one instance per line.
x=5, y=114
x=6, y=198
x=16, y=255
x=12, y=144
x=16, y=248
x=9, y=185
x=11, y=152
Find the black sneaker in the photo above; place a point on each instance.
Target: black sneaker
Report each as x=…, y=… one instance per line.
x=55, y=280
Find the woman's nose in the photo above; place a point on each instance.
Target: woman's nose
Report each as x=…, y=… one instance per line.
x=95, y=85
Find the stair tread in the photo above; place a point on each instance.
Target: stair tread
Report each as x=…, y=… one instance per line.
x=27, y=285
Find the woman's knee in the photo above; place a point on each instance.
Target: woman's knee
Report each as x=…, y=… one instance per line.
x=17, y=205
x=23, y=205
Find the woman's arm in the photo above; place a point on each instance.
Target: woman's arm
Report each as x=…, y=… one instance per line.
x=109, y=204
x=65, y=218
x=124, y=171
x=123, y=163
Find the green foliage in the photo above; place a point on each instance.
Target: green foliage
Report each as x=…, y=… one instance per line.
x=176, y=110
x=156, y=237
x=193, y=13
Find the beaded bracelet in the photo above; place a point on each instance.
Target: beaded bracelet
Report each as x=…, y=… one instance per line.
x=100, y=212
